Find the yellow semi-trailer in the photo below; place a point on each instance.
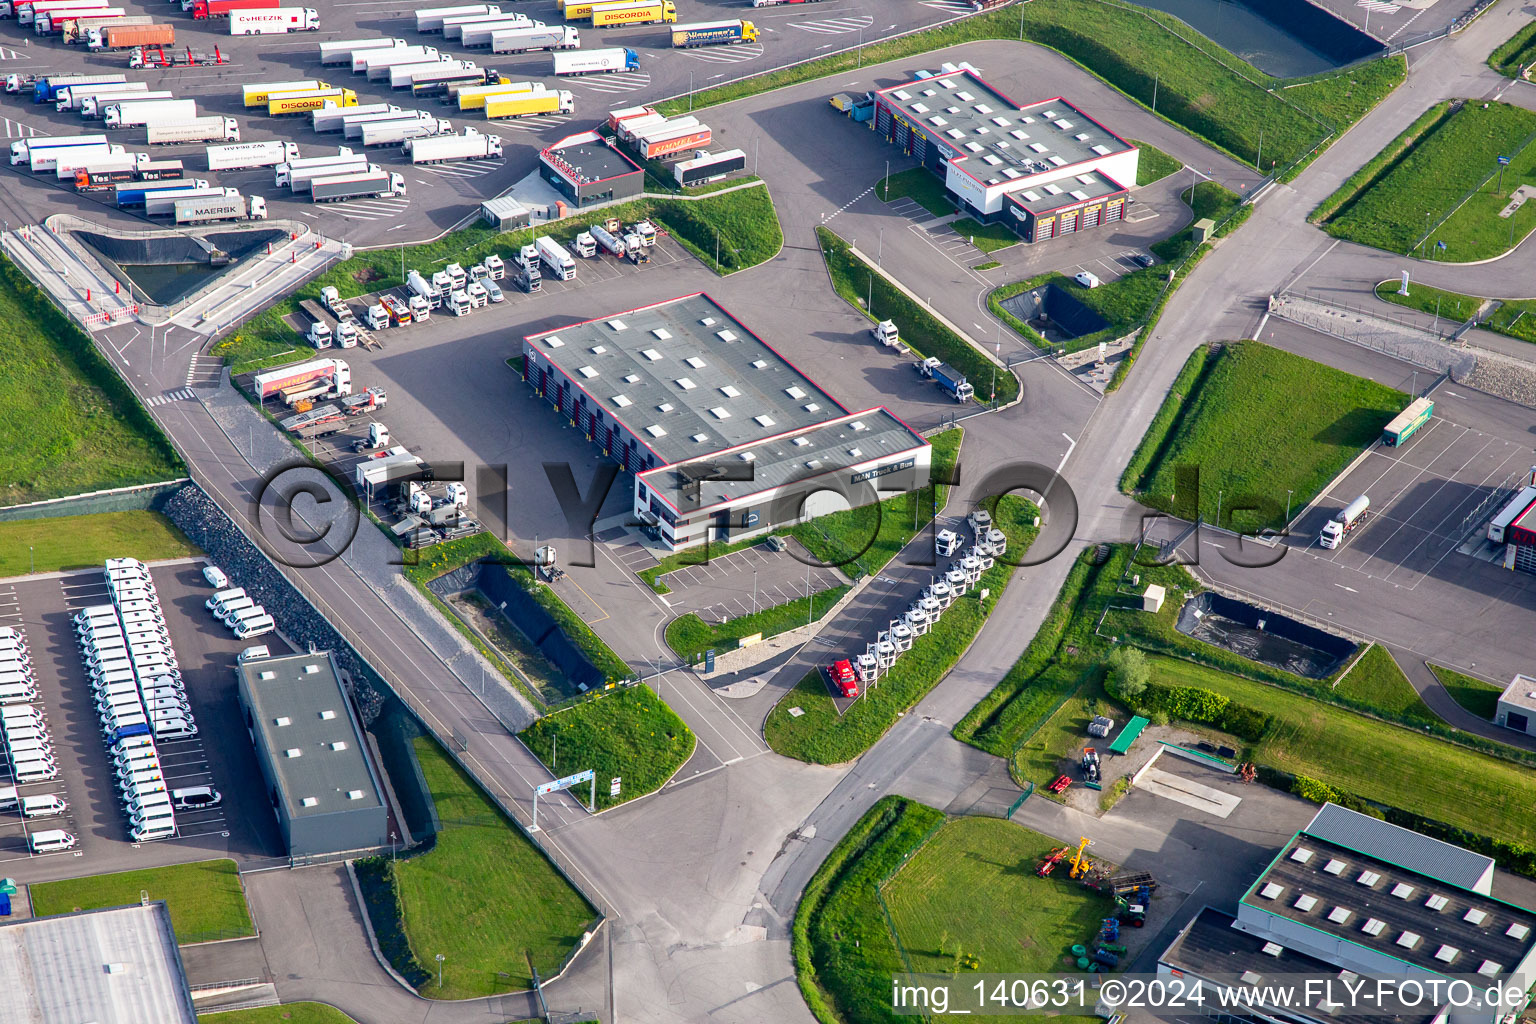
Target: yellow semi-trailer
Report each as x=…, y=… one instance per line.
x=640, y=12
x=475, y=97
x=529, y=104
x=581, y=10
x=284, y=104
x=257, y=95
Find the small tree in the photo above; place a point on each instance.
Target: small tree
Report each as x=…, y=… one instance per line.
x=1128, y=673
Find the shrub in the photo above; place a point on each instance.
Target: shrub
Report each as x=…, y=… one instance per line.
x=1129, y=674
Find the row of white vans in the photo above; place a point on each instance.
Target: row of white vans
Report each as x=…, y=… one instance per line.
x=16, y=682
x=28, y=748
x=240, y=612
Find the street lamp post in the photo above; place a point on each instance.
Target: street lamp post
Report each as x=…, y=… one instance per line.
x=1288, y=505
x=754, y=591
x=32, y=559
x=1218, y=509
x=690, y=90
x=391, y=844
x=440, y=959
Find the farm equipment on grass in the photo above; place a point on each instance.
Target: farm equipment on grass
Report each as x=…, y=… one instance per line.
x=1080, y=865
x=1061, y=785
x=1052, y=859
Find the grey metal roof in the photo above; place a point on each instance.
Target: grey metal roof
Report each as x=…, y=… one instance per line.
x=685, y=377
x=588, y=157
x=804, y=455
x=302, y=716
x=1520, y=693
x=998, y=140
x=505, y=206
x=114, y=966
x=1075, y=188
x=1406, y=849
x=1393, y=911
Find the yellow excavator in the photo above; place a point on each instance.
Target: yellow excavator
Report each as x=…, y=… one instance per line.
x=1080, y=864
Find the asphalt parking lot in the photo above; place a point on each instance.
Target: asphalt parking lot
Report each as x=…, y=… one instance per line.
x=220, y=755
x=1421, y=495
x=729, y=586
x=439, y=197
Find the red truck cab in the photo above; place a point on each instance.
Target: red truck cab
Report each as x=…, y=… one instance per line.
x=844, y=678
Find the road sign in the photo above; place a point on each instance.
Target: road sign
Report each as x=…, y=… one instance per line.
x=614, y=785
x=709, y=660
x=565, y=783
x=1503, y=161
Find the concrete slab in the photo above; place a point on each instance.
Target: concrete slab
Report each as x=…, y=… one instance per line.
x=1189, y=793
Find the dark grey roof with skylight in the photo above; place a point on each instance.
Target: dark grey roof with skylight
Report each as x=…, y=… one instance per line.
x=1077, y=188
x=685, y=377
x=1403, y=847
x=301, y=714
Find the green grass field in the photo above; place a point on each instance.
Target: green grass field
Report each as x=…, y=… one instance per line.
x=1255, y=422
x=1426, y=180
x=1375, y=760
x=1513, y=318
x=287, y=1013
x=690, y=636
x=1377, y=682
x=205, y=899
x=923, y=332
x=821, y=736
x=1207, y=200
x=1124, y=303
x=746, y=219
x=920, y=185
x=1201, y=87
x=483, y=896
x=986, y=237
x=1153, y=164
x=626, y=733
x=1058, y=743
x=972, y=888
x=1478, y=697
x=1515, y=53
x=73, y=542
x=1377, y=166
x=68, y=423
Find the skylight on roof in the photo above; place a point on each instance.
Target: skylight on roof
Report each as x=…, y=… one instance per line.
x=618, y=325
x=1490, y=968
x=598, y=350
x=686, y=384
x=293, y=752
x=1373, y=927
x=1019, y=134
x=1445, y=954
x=665, y=407
x=651, y=354
x=758, y=364
x=747, y=456
x=339, y=746
x=812, y=407
x=794, y=392
x=1273, y=948
x=622, y=401
x=700, y=438
x=1436, y=902
x=1334, y=867
x=1271, y=890
x=284, y=721
x=1251, y=977
x=587, y=372
x=661, y=333
x=801, y=442
x=764, y=420
x=354, y=794
x=858, y=425
x=1063, y=124
x=632, y=378
x=1038, y=148
x=1301, y=855
x=707, y=321
x=1305, y=903
x=695, y=362
x=1474, y=916
x=656, y=430
x=726, y=335
x=1368, y=878
x=1340, y=915
x=720, y=412
x=327, y=715
x=1082, y=136
x=1100, y=149
x=1409, y=940
x=730, y=392
x=1402, y=890
x=553, y=342
x=310, y=801
x=1517, y=931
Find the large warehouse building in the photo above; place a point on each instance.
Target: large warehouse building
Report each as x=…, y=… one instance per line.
x=1352, y=893
x=1045, y=170
x=312, y=755
x=726, y=438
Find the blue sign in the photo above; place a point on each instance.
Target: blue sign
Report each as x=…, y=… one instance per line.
x=1503, y=161
x=1439, y=245
x=565, y=783
x=709, y=660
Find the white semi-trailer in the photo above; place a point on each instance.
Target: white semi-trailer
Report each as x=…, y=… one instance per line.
x=245, y=155
x=440, y=148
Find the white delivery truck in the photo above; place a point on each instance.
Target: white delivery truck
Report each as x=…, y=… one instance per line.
x=340, y=51
x=333, y=119
x=136, y=113
x=1355, y=513
x=523, y=40
x=246, y=155
x=212, y=208
x=201, y=129
x=553, y=255
x=439, y=148
x=273, y=21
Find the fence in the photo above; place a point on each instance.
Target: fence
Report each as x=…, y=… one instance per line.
x=1029, y=790
x=1376, y=331
x=1429, y=254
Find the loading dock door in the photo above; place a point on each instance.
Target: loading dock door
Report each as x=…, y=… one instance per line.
x=1045, y=227
x=1091, y=216
x=1114, y=210
x=1067, y=223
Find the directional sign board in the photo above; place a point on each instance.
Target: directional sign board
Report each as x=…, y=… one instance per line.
x=565, y=783
x=615, y=786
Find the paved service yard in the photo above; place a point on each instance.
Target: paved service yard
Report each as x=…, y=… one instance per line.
x=725, y=587
x=1421, y=495
x=220, y=755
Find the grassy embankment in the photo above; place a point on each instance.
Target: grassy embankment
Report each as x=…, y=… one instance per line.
x=74, y=542
x=1516, y=52
x=68, y=422
x=748, y=235
x=690, y=636
x=205, y=899
x=1513, y=318
x=1478, y=697
x=1255, y=423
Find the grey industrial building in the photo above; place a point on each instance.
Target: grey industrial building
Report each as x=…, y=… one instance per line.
x=588, y=169
x=320, y=779
x=726, y=438
x=1354, y=895
x=1045, y=170
x=1517, y=705
x=117, y=965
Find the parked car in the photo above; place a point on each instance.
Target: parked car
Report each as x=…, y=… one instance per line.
x=215, y=577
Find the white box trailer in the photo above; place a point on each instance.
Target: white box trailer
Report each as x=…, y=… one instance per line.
x=163, y=204
x=273, y=21
x=431, y=19
x=333, y=119
x=397, y=133
x=136, y=113
x=53, y=22
x=70, y=97
x=586, y=62
x=439, y=148
x=453, y=28
x=206, y=210
x=270, y=382
x=283, y=173
x=48, y=159
x=362, y=60
x=92, y=106
x=245, y=155
x=340, y=51
x=666, y=126
x=355, y=129
x=401, y=76
x=374, y=183
x=202, y=129
x=299, y=180
x=524, y=40
x=554, y=256
x=23, y=149
x=476, y=35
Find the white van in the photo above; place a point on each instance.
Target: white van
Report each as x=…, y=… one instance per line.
x=229, y=609
x=154, y=693
x=144, y=787
x=255, y=627
x=51, y=841
x=252, y=653
x=149, y=831
x=9, y=801
x=45, y=806
x=15, y=678
x=155, y=665
x=132, y=602
x=195, y=798
x=125, y=562
x=15, y=656
x=115, y=708
x=20, y=713
x=154, y=805
x=32, y=748
x=218, y=600
x=175, y=729
x=245, y=615
x=215, y=576
x=130, y=745
x=167, y=706
x=106, y=668
x=108, y=648
x=17, y=694
x=28, y=772
x=139, y=773
x=140, y=646
x=15, y=734
x=95, y=611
